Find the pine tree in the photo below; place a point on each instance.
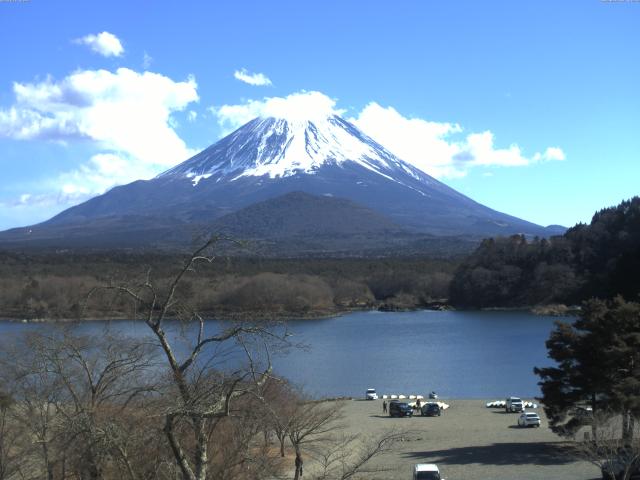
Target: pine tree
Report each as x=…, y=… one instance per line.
x=598, y=365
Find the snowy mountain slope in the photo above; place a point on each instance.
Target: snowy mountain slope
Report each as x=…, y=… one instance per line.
x=276, y=147
x=270, y=157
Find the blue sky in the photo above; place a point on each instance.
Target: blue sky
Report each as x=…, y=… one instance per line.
x=532, y=108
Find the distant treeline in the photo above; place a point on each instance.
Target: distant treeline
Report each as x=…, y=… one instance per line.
x=601, y=259
x=55, y=285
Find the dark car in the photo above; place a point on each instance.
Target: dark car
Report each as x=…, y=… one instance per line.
x=430, y=410
x=400, y=409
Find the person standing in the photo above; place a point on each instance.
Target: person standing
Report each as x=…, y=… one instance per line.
x=384, y=406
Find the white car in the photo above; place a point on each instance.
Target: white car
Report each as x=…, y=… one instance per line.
x=529, y=419
x=426, y=471
x=371, y=394
x=513, y=404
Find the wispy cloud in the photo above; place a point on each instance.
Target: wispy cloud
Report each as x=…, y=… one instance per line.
x=256, y=79
x=104, y=43
x=147, y=60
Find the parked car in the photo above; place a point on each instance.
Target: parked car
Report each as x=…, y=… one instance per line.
x=430, y=409
x=400, y=409
x=513, y=404
x=426, y=471
x=371, y=394
x=529, y=419
x=583, y=413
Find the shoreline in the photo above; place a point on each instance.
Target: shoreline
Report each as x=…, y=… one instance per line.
x=247, y=316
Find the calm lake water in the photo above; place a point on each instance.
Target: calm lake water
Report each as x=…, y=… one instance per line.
x=457, y=354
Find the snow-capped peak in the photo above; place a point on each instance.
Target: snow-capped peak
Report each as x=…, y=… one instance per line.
x=281, y=147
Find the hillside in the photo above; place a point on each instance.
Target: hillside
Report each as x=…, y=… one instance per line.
x=601, y=259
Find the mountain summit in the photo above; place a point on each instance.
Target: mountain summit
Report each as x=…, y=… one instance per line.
x=322, y=156
x=277, y=148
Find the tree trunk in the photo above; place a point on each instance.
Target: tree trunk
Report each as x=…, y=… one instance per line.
x=298, y=472
x=45, y=445
x=178, y=453
x=47, y=464
x=93, y=469
x=625, y=426
x=628, y=426
x=594, y=424
x=202, y=443
x=282, y=440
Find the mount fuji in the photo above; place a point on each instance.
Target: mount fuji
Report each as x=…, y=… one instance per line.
x=291, y=177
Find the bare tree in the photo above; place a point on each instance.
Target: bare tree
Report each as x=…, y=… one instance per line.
x=311, y=424
x=76, y=397
x=239, y=451
x=188, y=400
x=203, y=394
x=348, y=456
x=101, y=378
x=11, y=460
x=314, y=431
x=280, y=403
x=612, y=450
x=38, y=394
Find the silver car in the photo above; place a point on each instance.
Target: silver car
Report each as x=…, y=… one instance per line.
x=529, y=419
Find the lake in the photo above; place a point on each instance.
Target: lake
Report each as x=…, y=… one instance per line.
x=458, y=354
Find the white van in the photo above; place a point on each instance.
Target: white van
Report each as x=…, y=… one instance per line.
x=426, y=471
x=371, y=394
x=513, y=404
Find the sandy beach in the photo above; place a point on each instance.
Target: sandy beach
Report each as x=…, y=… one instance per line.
x=469, y=441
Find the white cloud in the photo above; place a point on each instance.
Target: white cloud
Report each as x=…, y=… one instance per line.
x=192, y=116
x=125, y=115
x=440, y=148
x=105, y=44
x=256, y=79
x=298, y=106
x=422, y=143
x=479, y=149
x=550, y=154
x=100, y=173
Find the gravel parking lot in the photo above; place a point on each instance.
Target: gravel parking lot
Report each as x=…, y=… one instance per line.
x=469, y=441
